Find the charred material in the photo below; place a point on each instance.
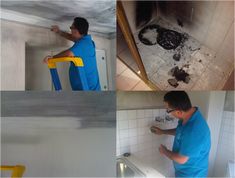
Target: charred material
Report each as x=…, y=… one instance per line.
x=180, y=75
x=153, y=34
x=169, y=39
x=177, y=56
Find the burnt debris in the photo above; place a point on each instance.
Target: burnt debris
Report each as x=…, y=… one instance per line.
x=153, y=34
x=173, y=82
x=177, y=56
x=180, y=23
x=169, y=39
x=179, y=74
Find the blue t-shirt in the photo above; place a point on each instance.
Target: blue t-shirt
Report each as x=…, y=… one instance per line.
x=192, y=140
x=85, y=49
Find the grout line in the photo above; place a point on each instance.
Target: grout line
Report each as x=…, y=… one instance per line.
x=135, y=85
x=230, y=26
x=128, y=67
x=123, y=70
x=212, y=18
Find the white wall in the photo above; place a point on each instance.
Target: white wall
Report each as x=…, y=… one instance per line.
x=58, y=147
x=13, y=69
x=139, y=100
x=200, y=99
x=225, y=149
x=215, y=111
x=14, y=36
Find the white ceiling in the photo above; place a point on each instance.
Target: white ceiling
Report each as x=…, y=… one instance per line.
x=101, y=15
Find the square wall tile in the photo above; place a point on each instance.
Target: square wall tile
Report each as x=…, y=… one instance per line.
x=133, y=132
x=155, y=112
x=148, y=113
x=123, y=134
x=121, y=115
x=140, y=114
x=132, y=123
x=124, y=142
x=123, y=124
x=142, y=122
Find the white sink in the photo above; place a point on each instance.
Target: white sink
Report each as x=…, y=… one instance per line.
x=143, y=169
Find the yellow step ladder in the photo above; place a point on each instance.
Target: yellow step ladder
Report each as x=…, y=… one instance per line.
x=17, y=171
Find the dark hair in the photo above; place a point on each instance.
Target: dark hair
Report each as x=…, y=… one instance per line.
x=81, y=25
x=178, y=100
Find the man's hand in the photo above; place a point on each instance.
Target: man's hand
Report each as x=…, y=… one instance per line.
x=45, y=60
x=55, y=29
x=66, y=35
x=156, y=130
x=162, y=149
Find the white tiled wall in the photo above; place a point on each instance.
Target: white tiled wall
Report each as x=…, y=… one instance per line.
x=225, y=150
x=134, y=136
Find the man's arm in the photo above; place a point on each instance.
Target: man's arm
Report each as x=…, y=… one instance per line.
x=169, y=131
x=66, y=35
x=173, y=156
x=66, y=53
x=159, y=131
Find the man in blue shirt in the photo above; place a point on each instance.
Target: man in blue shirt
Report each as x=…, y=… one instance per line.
x=190, y=152
x=84, y=48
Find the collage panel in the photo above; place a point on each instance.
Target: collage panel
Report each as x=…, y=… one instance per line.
x=58, y=45
x=175, y=134
x=175, y=45
x=70, y=135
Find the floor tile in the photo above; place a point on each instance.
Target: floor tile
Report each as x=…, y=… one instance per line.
x=120, y=67
x=141, y=86
x=127, y=80
x=208, y=81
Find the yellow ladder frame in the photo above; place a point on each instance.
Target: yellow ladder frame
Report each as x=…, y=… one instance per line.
x=17, y=171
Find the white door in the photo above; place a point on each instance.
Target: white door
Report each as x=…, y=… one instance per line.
x=102, y=69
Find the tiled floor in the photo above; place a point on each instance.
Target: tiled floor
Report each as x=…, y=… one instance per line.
x=206, y=70
x=127, y=80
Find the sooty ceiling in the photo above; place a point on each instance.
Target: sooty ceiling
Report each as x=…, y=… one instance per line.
x=101, y=15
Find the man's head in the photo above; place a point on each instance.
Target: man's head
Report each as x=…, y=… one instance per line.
x=177, y=103
x=79, y=27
